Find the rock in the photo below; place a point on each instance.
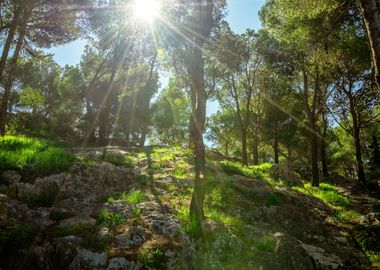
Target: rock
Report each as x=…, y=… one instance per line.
x=210, y=228
x=77, y=220
x=120, y=263
x=289, y=255
x=103, y=231
x=134, y=236
x=88, y=260
x=323, y=261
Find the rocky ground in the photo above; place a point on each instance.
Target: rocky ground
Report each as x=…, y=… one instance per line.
x=120, y=208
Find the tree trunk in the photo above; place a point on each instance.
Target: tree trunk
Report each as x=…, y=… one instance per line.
x=244, y=146
x=11, y=77
x=314, y=153
x=8, y=42
x=358, y=147
x=275, y=145
x=255, y=148
x=143, y=134
x=105, y=111
x=371, y=14
x=199, y=119
x=325, y=171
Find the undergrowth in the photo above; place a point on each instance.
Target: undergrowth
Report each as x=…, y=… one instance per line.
x=33, y=157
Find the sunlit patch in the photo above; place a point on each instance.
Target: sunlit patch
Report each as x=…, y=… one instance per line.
x=146, y=10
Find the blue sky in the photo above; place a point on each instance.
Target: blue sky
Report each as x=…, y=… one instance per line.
x=242, y=14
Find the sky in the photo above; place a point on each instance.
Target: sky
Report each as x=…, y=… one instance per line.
x=241, y=14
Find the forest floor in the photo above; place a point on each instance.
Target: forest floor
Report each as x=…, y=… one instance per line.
x=123, y=208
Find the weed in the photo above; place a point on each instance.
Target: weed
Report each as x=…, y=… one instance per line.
x=136, y=213
x=151, y=258
x=266, y=243
x=135, y=196
x=17, y=235
x=108, y=218
x=79, y=229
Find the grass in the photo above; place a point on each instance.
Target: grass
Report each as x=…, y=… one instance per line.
x=107, y=218
x=327, y=193
x=133, y=197
x=16, y=235
x=128, y=161
x=33, y=156
x=78, y=229
x=151, y=258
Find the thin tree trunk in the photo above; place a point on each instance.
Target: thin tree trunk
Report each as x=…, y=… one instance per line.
x=105, y=112
x=275, y=145
x=11, y=77
x=314, y=153
x=8, y=42
x=244, y=146
x=255, y=148
x=371, y=14
x=325, y=171
x=358, y=148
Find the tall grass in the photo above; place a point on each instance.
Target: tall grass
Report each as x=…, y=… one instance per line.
x=33, y=156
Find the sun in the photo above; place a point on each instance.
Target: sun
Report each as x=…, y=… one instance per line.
x=146, y=10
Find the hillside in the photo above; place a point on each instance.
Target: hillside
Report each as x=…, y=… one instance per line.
x=128, y=208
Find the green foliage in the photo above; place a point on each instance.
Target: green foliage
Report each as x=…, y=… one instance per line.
x=271, y=199
x=266, y=243
x=16, y=234
x=79, y=229
x=133, y=197
x=107, y=218
x=33, y=156
x=128, y=161
x=326, y=193
x=151, y=258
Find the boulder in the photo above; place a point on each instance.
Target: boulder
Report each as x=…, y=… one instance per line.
x=87, y=260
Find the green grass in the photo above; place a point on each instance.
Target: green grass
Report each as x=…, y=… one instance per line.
x=151, y=258
x=327, y=193
x=133, y=197
x=128, y=161
x=16, y=234
x=107, y=218
x=33, y=156
x=78, y=229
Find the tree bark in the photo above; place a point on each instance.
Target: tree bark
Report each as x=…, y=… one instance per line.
x=255, y=148
x=199, y=119
x=275, y=145
x=105, y=112
x=8, y=42
x=371, y=15
x=11, y=76
x=356, y=133
x=325, y=171
x=314, y=153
